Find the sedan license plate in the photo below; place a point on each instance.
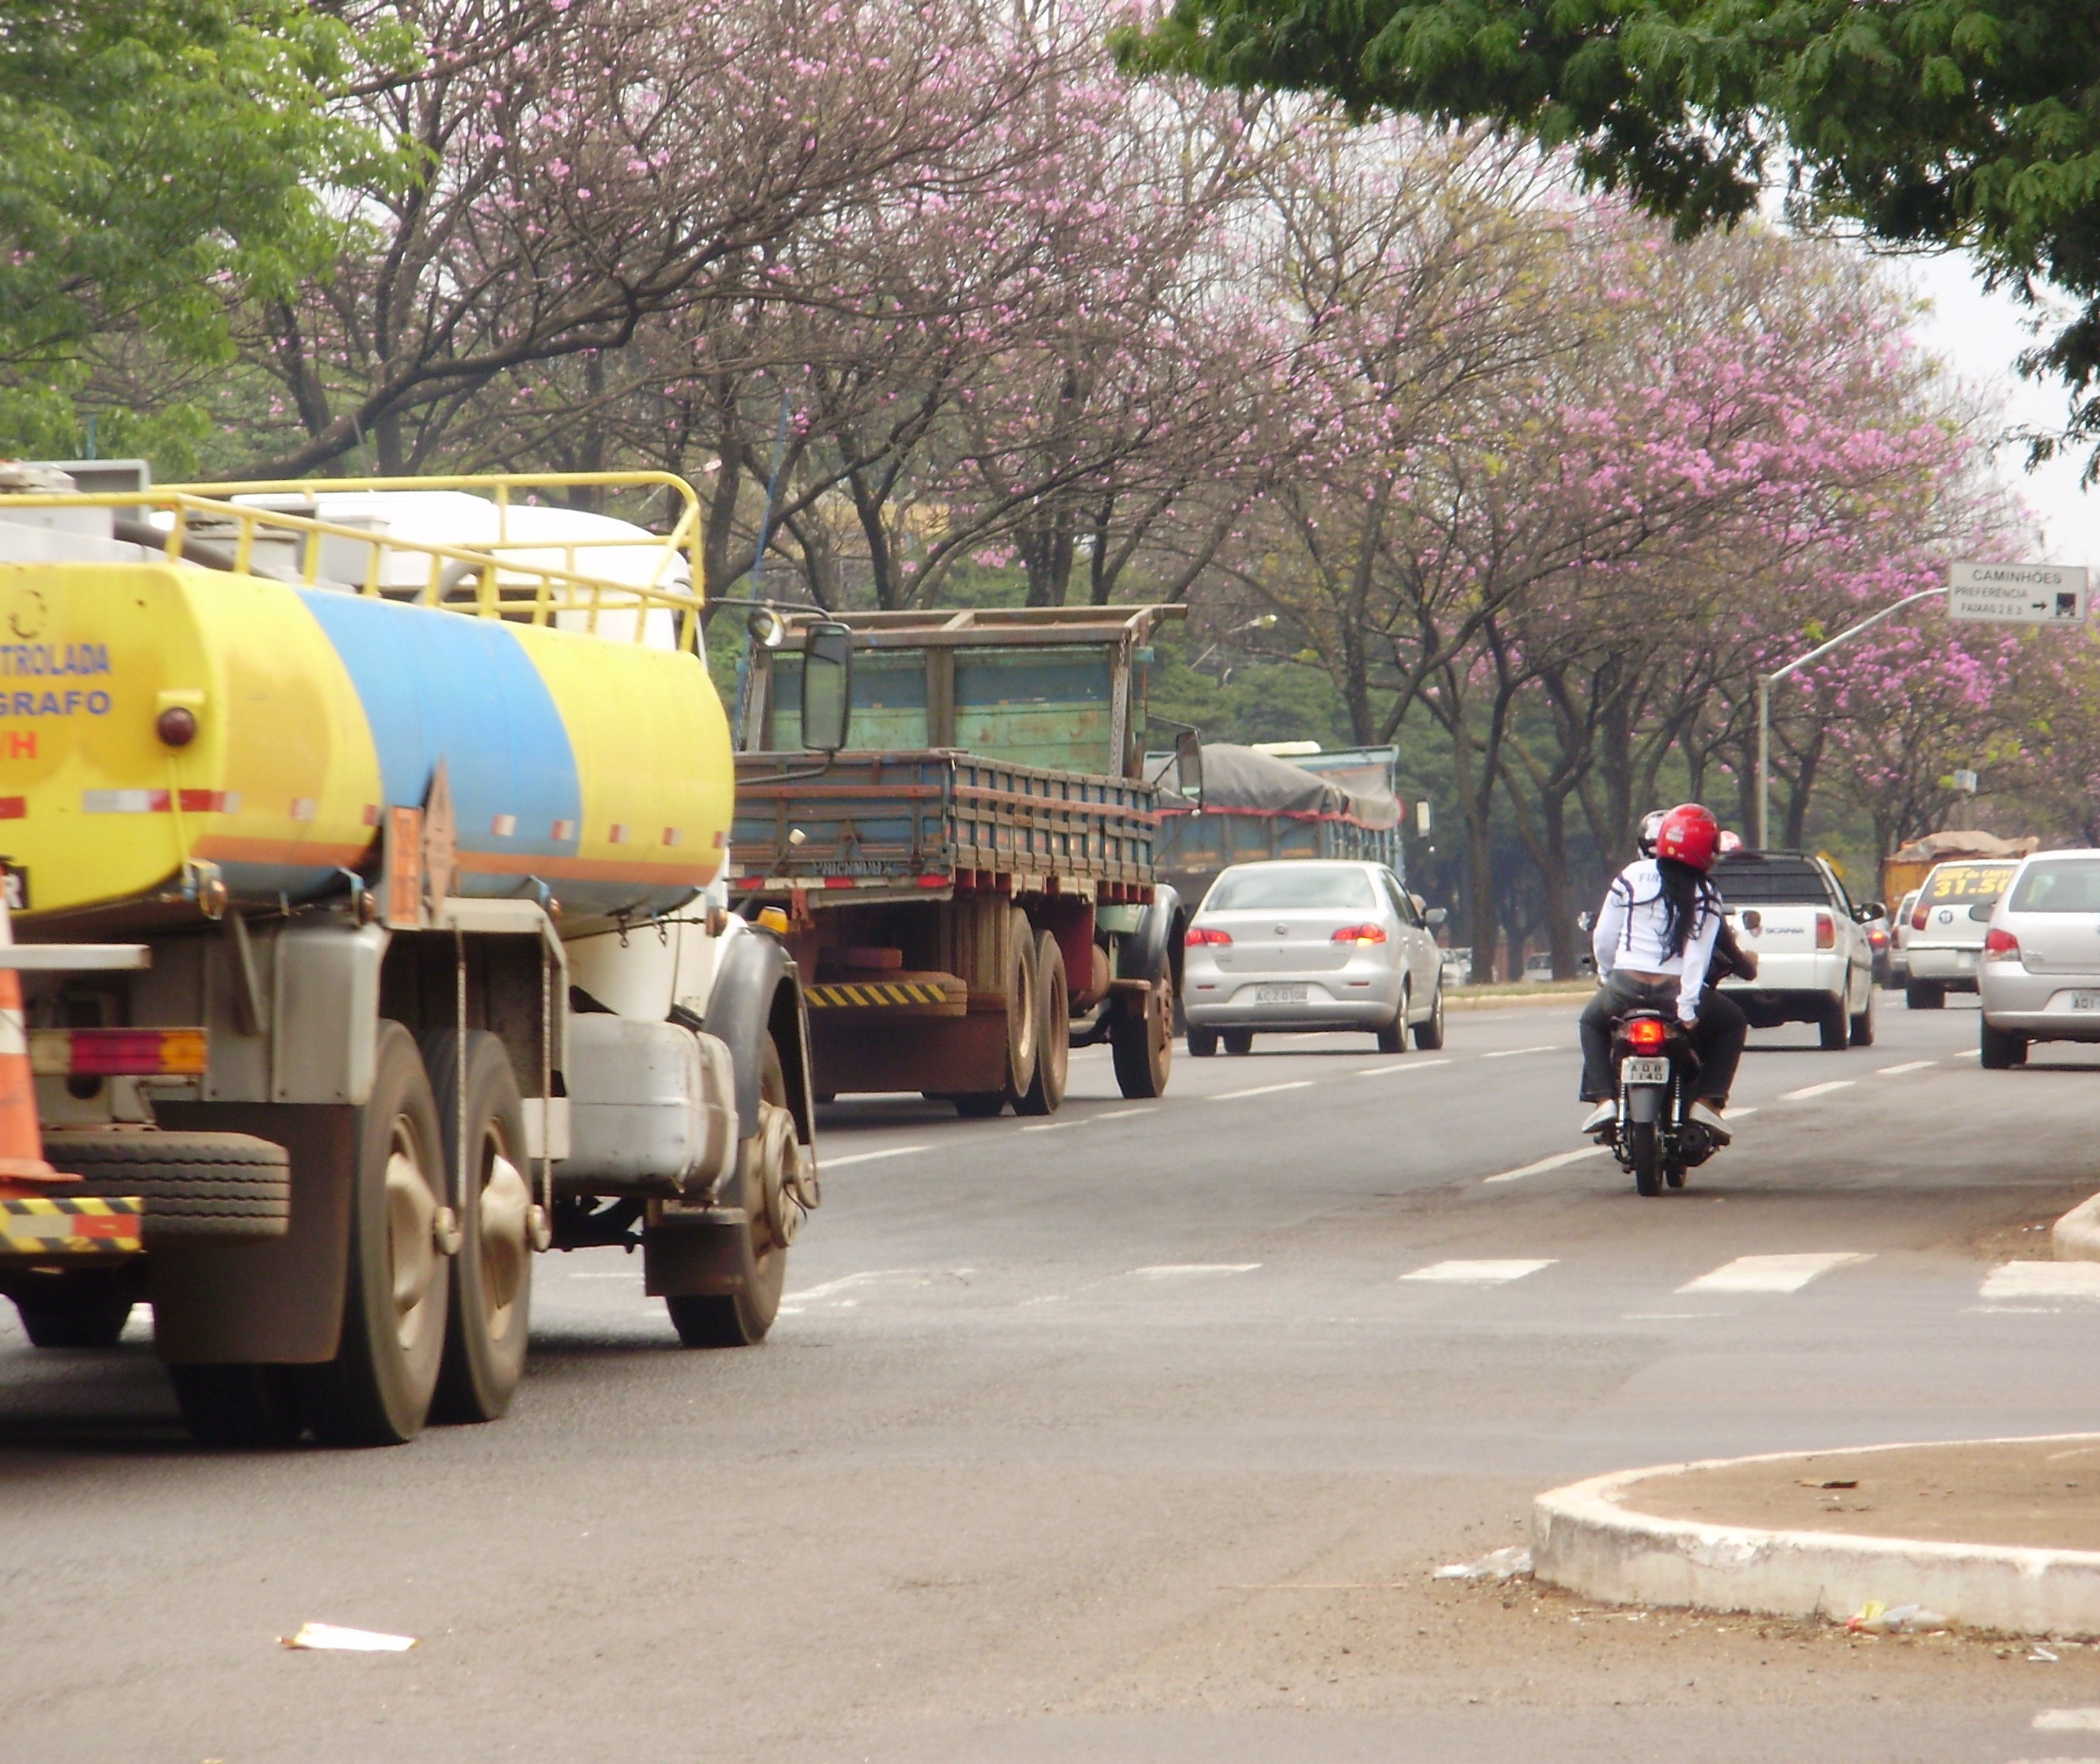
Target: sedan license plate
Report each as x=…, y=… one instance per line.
x=1645, y=1071
x=1279, y=994
x=2085, y=1001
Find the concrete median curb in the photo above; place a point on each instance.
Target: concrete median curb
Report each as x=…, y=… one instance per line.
x=2076, y=1236
x=1585, y=1538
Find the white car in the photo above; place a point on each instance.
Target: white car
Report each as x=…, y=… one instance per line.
x=1946, y=938
x=1814, y=964
x=2041, y=973
x=1298, y=948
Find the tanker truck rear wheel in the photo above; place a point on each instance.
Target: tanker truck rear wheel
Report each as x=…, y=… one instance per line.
x=756, y=1261
x=489, y=1307
x=377, y=1389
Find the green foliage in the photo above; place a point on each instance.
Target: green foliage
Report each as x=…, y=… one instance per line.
x=1261, y=701
x=1939, y=122
x=158, y=159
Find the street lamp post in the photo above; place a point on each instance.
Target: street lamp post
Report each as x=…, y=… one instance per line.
x=1765, y=682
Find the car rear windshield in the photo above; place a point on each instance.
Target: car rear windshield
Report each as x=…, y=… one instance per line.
x=1959, y=882
x=1270, y=886
x=2062, y=885
x=1771, y=882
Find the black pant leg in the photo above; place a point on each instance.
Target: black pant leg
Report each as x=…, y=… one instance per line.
x=1722, y=1030
x=1597, y=1016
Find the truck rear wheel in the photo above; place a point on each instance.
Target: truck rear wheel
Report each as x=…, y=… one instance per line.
x=1141, y=1040
x=88, y=1309
x=491, y=1302
x=756, y=1263
x=1045, y=1094
x=1834, y=1026
x=377, y=1389
x=1024, y=1014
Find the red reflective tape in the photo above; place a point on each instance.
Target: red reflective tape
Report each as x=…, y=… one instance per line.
x=838, y=881
x=933, y=881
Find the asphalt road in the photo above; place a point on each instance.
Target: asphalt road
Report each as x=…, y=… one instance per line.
x=1136, y=1435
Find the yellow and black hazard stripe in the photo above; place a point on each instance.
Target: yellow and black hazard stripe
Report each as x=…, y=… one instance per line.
x=833, y=994
x=39, y=1225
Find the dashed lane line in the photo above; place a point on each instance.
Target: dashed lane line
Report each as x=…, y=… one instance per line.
x=1772, y=1274
x=1261, y=1090
x=1410, y=1065
x=1909, y=1065
x=1558, y=1161
x=1824, y=1089
x=1511, y=1053
x=1052, y=1127
x=1477, y=1273
x=869, y=1158
x=1124, y=1114
x=1174, y=1270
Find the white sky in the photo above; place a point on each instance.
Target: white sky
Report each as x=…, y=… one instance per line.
x=1980, y=335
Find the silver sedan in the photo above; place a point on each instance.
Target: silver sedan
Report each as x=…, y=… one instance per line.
x=1288, y=947
x=2040, y=976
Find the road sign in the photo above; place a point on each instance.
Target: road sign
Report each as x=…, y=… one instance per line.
x=2016, y=593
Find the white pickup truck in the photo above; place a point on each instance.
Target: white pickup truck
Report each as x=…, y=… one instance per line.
x=1814, y=963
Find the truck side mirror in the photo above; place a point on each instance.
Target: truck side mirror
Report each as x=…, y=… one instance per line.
x=827, y=685
x=1189, y=763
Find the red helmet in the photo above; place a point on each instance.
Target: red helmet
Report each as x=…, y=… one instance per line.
x=1689, y=834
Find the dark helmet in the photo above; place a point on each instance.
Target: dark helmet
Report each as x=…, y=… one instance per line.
x=1650, y=825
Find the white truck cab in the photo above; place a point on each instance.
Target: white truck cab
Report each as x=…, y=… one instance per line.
x=1814, y=963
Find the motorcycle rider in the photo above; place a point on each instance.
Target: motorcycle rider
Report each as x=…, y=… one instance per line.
x=1654, y=943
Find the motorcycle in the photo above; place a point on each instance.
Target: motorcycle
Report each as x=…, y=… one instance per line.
x=1653, y=1066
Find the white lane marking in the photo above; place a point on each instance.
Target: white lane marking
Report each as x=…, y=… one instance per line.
x=1511, y=1053
x=1772, y=1274
x=1555, y=1162
x=1052, y=1127
x=1737, y=1114
x=1120, y=1114
x=597, y=1273
x=1909, y=1065
x=1262, y=1090
x=1476, y=1273
x=1966, y=1053
x=1170, y=1270
x=2042, y=1279
x=1824, y=1089
x=844, y=1281
x=869, y=1158
x=1411, y=1065
x=2068, y=1721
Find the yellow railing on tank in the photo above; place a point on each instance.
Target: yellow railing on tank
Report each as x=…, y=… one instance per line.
x=501, y=579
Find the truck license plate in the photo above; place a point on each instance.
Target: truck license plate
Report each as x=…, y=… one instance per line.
x=2085, y=1001
x=1279, y=994
x=1638, y=1070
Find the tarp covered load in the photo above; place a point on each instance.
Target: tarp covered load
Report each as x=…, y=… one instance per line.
x=1239, y=780
x=1955, y=843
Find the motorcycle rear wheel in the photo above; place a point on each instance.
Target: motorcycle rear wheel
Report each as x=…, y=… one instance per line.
x=1644, y=1151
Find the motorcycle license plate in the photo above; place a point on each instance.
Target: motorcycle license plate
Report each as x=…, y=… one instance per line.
x=1645, y=1071
x=1279, y=994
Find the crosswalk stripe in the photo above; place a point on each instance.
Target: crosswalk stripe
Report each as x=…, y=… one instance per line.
x=1772, y=1274
x=1816, y=1090
x=2043, y=1279
x=1477, y=1273
x=2068, y=1721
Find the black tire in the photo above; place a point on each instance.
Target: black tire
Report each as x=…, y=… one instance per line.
x=244, y=1408
x=1202, y=1043
x=1141, y=1041
x=1392, y=1038
x=1045, y=1094
x=489, y=1310
x=1238, y=1041
x=1925, y=995
x=1833, y=1027
x=1023, y=1012
x=741, y=1319
x=1429, y=1034
x=1644, y=1148
x=208, y=1187
x=980, y=1105
x=2001, y=1049
x=85, y=1309
x=1862, y=1027
x=377, y=1389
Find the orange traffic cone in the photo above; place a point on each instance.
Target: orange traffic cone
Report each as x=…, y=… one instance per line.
x=21, y=1143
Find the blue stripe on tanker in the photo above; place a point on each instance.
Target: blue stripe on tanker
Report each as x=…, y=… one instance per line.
x=434, y=687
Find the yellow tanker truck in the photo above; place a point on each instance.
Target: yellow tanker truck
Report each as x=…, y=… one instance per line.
x=365, y=844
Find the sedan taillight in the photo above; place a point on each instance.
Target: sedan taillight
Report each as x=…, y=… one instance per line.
x=1826, y=932
x=1360, y=934
x=1917, y=917
x=1199, y=935
x=2000, y=946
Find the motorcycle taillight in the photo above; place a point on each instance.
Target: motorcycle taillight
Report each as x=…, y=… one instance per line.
x=1647, y=1034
